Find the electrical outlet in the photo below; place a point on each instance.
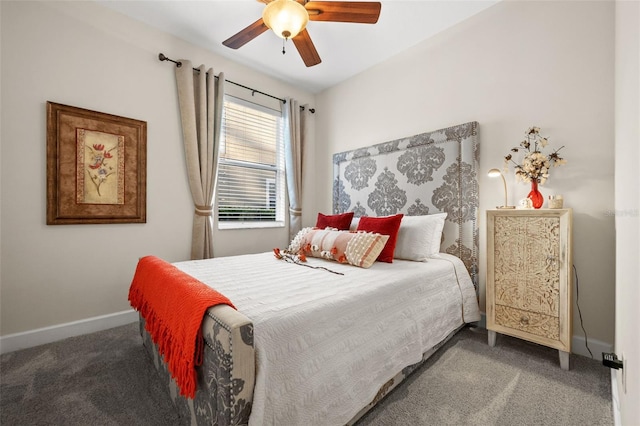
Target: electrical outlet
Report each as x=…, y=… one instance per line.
x=611, y=360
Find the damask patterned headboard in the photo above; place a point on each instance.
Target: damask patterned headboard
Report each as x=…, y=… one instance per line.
x=422, y=174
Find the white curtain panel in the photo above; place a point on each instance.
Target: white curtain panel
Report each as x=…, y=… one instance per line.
x=293, y=143
x=201, y=101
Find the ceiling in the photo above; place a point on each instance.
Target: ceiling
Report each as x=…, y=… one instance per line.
x=345, y=49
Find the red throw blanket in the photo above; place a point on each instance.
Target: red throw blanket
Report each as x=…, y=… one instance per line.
x=173, y=304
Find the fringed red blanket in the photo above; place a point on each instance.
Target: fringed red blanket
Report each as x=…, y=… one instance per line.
x=173, y=304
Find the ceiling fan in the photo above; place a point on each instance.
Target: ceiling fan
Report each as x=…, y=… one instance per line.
x=288, y=19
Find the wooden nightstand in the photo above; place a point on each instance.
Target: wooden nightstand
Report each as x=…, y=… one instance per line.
x=529, y=271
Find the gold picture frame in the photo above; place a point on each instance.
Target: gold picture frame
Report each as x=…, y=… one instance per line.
x=96, y=167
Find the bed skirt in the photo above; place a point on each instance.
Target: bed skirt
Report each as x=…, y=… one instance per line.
x=401, y=376
x=224, y=392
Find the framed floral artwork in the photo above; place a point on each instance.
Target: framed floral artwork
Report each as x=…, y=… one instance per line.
x=96, y=167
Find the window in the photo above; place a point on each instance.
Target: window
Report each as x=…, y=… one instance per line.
x=251, y=175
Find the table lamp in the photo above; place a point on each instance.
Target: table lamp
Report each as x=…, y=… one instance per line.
x=496, y=173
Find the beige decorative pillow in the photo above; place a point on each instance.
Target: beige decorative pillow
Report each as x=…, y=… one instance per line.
x=296, y=244
x=356, y=248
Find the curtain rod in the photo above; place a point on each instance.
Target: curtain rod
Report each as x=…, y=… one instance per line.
x=162, y=58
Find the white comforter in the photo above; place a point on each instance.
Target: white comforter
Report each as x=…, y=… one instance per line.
x=325, y=343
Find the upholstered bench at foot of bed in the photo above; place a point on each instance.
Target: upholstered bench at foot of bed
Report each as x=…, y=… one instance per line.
x=225, y=380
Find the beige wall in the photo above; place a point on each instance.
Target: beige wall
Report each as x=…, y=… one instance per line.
x=514, y=65
x=81, y=54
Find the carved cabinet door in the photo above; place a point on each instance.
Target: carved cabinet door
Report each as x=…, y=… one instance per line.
x=529, y=275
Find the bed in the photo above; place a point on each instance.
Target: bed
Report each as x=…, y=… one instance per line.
x=322, y=343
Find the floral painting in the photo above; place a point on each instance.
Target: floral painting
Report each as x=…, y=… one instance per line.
x=100, y=168
x=96, y=167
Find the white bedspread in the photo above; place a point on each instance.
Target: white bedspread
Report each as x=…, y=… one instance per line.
x=325, y=343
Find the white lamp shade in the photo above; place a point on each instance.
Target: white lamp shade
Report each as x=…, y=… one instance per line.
x=285, y=17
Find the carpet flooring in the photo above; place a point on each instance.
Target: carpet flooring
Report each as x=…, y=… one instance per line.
x=106, y=378
x=514, y=383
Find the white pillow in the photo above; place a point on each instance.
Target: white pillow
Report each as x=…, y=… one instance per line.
x=419, y=237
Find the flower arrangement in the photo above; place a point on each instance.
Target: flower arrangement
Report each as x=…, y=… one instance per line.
x=298, y=259
x=535, y=165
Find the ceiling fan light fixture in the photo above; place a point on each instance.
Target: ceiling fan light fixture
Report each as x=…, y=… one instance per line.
x=285, y=17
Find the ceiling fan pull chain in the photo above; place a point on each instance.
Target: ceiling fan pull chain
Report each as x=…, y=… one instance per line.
x=283, y=51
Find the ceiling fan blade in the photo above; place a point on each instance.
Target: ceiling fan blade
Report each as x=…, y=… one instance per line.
x=344, y=11
x=306, y=49
x=246, y=35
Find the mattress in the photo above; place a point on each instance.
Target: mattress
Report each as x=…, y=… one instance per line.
x=327, y=339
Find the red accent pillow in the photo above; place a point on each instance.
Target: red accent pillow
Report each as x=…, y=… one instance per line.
x=387, y=225
x=341, y=222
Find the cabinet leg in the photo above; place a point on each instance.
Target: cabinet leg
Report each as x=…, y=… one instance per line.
x=564, y=360
x=492, y=338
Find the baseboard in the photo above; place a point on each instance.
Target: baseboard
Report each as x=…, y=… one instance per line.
x=578, y=345
x=615, y=402
x=483, y=320
x=40, y=336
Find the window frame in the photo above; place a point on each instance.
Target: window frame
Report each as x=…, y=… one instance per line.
x=278, y=168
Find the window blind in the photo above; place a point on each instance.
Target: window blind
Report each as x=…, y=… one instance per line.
x=251, y=164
